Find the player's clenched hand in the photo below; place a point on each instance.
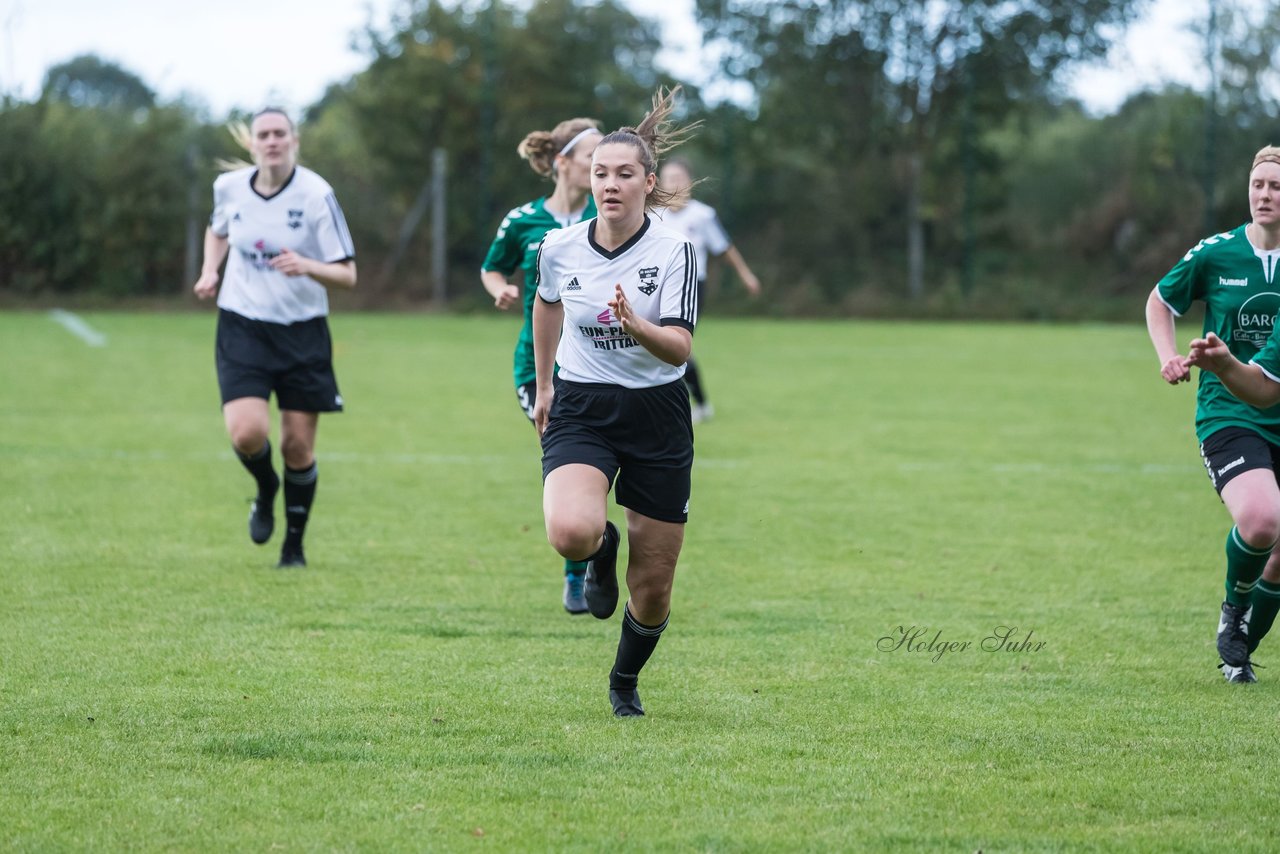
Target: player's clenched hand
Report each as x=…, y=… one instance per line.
x=1176, y=370
x=506, y=298
x=1209, y=353
x=541, y=408
x=206, y=286
x=291, y=263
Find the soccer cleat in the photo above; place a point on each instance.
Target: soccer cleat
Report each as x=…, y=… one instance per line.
x=575, y=602
x=291, y=557
x=701, y=412
x=601, y=582
x=262, y=521
x=1240, y=675
x=1233, y=634
x=626, y=704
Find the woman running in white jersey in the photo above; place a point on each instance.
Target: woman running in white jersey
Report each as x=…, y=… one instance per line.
x=616, y=309
x=699, y=223
x=287, y=243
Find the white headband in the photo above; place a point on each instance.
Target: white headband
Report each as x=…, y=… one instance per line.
x=577, y=139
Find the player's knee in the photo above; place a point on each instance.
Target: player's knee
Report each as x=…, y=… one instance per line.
x=576, y=539
x=247, y=438
x=296, y=452
x=1259, y=527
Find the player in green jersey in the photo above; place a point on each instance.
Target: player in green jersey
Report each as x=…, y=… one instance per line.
x=564, y=155
x=1238, y=401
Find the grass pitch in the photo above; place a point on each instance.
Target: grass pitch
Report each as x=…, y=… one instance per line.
x=870, y=498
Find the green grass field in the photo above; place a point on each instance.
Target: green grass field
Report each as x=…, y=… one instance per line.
x=418, y=687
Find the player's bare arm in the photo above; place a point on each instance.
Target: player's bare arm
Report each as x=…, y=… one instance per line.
x=548, y=318
x=215, y=252
x=1174, y=368
x=1247, y=382
x=338, y=274
x=504, y=294
x=671, y=344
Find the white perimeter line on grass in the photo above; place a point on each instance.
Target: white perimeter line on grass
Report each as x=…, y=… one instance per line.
x=1056, y=468
x=77, y=327
x=358, y=457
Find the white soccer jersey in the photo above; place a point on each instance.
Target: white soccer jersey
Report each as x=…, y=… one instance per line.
x=699, y=223
x=658, y=273
x=302, y=216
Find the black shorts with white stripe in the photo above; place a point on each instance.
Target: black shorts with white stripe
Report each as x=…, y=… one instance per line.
x=643, y=437
x=1232, y=451
x=295, y=360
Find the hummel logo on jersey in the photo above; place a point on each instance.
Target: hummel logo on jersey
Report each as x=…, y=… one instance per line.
x=605, y=317
x=295, y=219
x=648, y=280
x=1229, y=466
x=1233, y=283
x=573, y=285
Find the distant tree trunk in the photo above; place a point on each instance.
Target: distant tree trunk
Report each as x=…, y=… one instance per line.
x=192, y=266
x=439, y=234
x=915, y=228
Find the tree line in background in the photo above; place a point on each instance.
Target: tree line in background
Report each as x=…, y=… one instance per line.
x=895, y=156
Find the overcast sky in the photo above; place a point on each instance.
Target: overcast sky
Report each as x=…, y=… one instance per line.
x=227, y=54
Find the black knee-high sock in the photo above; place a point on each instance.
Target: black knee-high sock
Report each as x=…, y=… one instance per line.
x=259, y=465
x=694, y=381
x=634, y=648
x=299, y=492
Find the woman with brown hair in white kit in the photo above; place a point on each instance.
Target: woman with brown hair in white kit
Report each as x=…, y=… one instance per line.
x=616, y=309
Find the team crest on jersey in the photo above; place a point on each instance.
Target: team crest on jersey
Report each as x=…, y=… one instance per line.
x=648, y=280
x=295, y=219
x=1256, y=319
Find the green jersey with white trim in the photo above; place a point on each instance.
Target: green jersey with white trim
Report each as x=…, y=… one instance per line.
x=516, y=248
x=1238, y=286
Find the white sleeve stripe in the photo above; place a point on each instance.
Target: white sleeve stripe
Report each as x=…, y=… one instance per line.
x=340, y=224
x=1270, y=376
x=1160, y=297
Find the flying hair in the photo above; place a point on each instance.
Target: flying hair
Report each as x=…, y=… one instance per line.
x=540, y=147
x=653, y=137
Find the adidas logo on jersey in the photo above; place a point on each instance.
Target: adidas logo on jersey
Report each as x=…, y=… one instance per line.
x=573, y=285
